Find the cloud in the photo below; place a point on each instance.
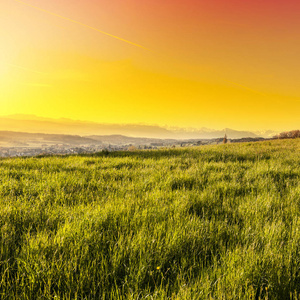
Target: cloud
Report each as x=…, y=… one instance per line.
x=37, y=84
x=26, y=69
x=245, y=87
x=71, y=75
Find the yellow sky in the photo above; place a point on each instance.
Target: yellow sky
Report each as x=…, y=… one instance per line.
x=188, y=66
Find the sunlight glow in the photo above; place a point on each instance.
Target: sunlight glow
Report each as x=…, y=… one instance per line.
x=214, y=64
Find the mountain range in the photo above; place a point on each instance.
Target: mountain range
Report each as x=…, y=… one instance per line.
x=35, y=124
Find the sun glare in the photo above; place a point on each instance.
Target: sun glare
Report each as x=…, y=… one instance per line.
x=4, y=65
x=3, y=71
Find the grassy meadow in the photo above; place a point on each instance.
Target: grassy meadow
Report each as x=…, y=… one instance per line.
x=210, y=222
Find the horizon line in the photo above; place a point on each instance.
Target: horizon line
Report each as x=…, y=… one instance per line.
x=164, y=126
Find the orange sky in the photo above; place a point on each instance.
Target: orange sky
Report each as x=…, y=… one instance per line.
x=186, y=63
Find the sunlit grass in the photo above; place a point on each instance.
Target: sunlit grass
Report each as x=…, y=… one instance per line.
x=219, y=222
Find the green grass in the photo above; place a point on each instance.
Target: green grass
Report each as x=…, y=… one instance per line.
x=214, y=222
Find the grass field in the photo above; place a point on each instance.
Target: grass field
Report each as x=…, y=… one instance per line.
x=214, y=222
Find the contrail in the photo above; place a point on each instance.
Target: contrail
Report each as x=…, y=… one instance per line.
x=82, y=24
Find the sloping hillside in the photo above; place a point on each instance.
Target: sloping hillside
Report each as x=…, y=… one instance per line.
x=217, y=222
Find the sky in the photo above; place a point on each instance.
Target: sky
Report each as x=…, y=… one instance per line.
x=192, y=63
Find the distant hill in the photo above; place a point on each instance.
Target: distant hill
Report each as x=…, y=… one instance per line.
x=121, y=139
x=34, y=124
x=24, y=139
